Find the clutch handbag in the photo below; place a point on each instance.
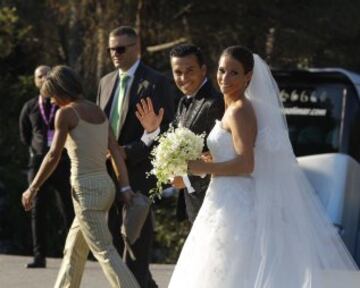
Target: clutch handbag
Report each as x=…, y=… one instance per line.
x=133, y=219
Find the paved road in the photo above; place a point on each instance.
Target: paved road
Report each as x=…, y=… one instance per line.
x=14, y=274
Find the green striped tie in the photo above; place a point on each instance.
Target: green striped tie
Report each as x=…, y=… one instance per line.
x=116, y=112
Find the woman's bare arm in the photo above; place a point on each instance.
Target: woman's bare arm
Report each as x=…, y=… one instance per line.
x=241, y=123
x=120, y=169
x=51, y=158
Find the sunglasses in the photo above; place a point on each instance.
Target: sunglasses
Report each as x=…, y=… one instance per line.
x=119, y=49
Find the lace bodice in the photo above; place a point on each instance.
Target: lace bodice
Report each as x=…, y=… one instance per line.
x=220, y=143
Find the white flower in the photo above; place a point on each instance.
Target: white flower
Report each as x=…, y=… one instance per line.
x=170, y=156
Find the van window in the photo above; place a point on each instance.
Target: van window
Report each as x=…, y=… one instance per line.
x=314, y=115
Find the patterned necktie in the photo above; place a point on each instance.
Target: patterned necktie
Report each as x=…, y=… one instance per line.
x=116, y=112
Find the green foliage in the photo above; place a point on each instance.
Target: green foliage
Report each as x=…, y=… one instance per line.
x=14, y=93
x=10, y=32
x=8, y=20
x=14, y=180
x=170, y=234
x=17, y=230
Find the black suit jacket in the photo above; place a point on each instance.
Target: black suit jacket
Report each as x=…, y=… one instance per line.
x=199, y=117
x=147, y=83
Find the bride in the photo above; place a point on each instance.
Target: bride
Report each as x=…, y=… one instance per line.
x=260, y=224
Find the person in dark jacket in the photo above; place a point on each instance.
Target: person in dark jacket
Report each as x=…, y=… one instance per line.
x=118, y=94
x=200, y=105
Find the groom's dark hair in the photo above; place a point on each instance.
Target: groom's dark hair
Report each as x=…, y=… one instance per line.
x=241, y=54
x=184, y=50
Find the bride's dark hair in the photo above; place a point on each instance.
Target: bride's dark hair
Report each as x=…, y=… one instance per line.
x=241, y=54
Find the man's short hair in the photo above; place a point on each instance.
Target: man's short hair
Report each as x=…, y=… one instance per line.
x=43, y=67
x=123, y=30
x=184, y=50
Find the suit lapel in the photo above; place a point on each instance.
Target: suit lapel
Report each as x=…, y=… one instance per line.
x=138, y=86
x=136, y=92
x=194, y=110
x=195, y=107
x=108, y=94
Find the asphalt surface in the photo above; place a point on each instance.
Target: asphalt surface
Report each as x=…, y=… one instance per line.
x=14, y=274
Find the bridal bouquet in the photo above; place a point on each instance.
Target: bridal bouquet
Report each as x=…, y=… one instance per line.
x=170, y=156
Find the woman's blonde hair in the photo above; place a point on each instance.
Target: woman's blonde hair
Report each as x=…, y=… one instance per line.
x=63, y=83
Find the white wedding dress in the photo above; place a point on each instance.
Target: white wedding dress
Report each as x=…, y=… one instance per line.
x=263, y=231
x=219, y=246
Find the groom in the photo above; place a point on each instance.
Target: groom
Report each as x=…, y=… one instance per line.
x=200, y=105
x=118, y=94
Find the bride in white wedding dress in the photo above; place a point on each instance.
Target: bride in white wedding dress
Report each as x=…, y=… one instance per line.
x=260, y=224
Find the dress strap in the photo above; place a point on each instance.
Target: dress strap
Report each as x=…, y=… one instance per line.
x=76, y=112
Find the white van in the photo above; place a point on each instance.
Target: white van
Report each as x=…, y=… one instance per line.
x=322, y=108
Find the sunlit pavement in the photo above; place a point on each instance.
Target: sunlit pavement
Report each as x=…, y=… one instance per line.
x=14, y=274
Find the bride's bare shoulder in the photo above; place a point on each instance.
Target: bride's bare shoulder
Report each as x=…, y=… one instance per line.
x=240, y=116
x=242, y=111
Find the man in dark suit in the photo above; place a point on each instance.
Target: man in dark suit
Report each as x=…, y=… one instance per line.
x=36, y=123
x=118, y=94
x=198, y=108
